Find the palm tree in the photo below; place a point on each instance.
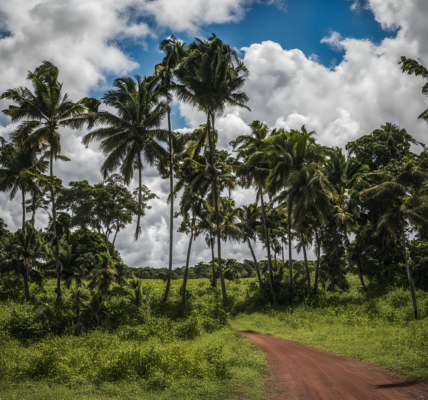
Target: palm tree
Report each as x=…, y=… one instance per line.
x=254, y=171
x=44, y=112
x=404, y=196
x=22, y=253
x=413, y=67
x=20, y=172
x=104, y=274
x=288, y=152
x=163, y=81
x=249, y=222
x=213, y=81
x=131, y=134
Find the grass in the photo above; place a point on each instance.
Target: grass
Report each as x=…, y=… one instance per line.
x=155, y=351
x=162, y=358
x=376, y=329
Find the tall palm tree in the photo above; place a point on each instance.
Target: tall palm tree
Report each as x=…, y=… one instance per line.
x=287, y=153
x=404, y=195
x=163, y=81
x=44, y=111
x=131, y=135
x=254, y=171
x=213, y=77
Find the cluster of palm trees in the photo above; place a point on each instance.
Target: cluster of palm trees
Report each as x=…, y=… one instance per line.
x=315, y=195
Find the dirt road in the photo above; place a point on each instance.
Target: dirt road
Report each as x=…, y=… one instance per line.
x=301, y=372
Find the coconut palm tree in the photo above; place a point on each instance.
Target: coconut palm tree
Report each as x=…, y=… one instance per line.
x=213, y=77
x=288, y=152
x=20, y=172
x=130, y=136
x=45, y=111
x=253, y=171
x=104, y=274
x=163, y=82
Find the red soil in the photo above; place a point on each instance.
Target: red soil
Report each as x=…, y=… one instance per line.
x=301, y=372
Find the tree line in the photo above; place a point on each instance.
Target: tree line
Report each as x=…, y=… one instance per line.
x=356, y=212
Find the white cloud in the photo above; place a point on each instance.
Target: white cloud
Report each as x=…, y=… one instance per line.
x=334, y=41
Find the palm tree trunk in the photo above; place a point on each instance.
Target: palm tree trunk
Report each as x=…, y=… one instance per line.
x=255, y=263
x=58, y=272
x=282, y=248
x=27, y=292
x=23, y=208
x=267, y=243
x=290, y=259
x=114, y=239
x=361, y=276
x=220, y=270
x=183, y=293
x=214, y=275
x=171, y=216
x=137, y=231
x=409, y=274
x=33, y=217
x=305, y=256
x=318, y=262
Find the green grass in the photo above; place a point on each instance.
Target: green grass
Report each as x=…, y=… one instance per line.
x=379, y=329
x=162, y=357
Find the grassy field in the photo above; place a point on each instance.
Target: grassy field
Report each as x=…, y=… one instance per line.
x=151, y=350
x=157, y=357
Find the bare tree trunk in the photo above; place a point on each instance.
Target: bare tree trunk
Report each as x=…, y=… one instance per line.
x=256, y=264
x=409, y=274
x=23, y=208
x=361, y=275
x=308, y=276
x=183, y=293
x=214, y=275
x=114, y=239
x=58, y=271
x=318, y=261
x=282, y=248
x=220, y=270
x=27, y=292
x=290, y=259
x=267, y=244
x=171, y=216
x=33, y=216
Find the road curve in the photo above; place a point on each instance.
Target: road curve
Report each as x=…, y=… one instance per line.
x=301, y=372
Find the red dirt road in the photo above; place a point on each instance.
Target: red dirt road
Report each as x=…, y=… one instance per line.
x=301, y=372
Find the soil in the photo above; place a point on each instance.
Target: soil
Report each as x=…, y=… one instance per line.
x=301, y=372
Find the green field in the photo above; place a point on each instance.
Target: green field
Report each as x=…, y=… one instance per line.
x=151, y=350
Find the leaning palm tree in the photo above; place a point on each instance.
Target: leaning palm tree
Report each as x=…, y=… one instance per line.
x=163, y=81
x=44, y=111
x=213, y=77
x=130, y=136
